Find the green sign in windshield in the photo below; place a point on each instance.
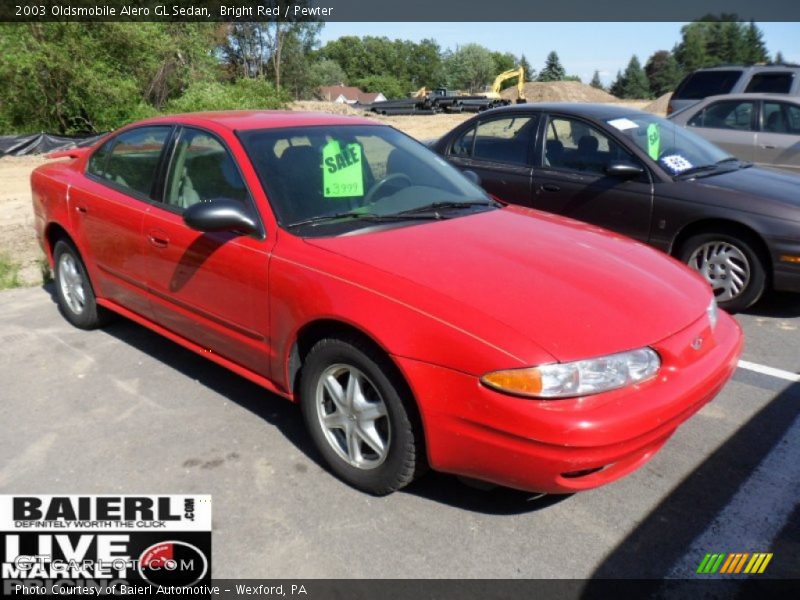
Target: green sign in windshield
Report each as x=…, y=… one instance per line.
x=342, y=172
x=653, y=140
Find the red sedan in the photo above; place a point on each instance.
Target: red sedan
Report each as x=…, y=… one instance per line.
x=339, y=263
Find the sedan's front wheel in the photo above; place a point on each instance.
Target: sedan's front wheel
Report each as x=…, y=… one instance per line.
x=731, y=266
x=358, y=416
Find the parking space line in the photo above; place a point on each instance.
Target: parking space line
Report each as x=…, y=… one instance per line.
x=771, y=371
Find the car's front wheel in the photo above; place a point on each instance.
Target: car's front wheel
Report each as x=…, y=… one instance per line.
x=359, y=416
x=730, y=264
x=74, y=291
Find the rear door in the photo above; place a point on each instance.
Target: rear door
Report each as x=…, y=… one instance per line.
x=730, y=124
x=499, y=149
x=778, y=141
x=210, y=288
x=570, y=179
x=109, y=213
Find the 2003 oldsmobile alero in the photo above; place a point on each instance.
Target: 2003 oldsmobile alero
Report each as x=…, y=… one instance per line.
x=339, y=263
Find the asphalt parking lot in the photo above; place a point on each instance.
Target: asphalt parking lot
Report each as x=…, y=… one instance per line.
x=123, y=410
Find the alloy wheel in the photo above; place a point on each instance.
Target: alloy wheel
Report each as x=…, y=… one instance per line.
x=724, y=266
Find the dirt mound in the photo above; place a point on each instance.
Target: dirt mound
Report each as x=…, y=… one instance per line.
x=659, y=105
x=560, y=91
x=333, y=108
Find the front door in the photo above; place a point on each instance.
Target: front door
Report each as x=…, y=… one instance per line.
x=210, y=288
x=571, y=179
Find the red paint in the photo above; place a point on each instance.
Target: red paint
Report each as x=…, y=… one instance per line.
x=448, y=301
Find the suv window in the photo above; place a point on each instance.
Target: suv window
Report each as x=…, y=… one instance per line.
x=727, y=114
x=202, y=170
x=134, y=158
x=707, y=83
x=504, y=140
x=780, y=117
x=770, y=83
x=577, y=146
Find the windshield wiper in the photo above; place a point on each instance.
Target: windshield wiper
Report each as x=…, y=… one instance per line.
x=435, y=206
x=359, y=216
x=708, y=168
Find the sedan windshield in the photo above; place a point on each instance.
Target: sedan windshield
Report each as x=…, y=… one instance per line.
x=328, y=180
x=677, y=151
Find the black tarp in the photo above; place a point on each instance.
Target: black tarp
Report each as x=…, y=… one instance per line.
x=41, y=143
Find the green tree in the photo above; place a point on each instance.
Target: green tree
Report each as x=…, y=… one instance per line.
x=691, y=51
x=617, y=86
x=326, y=72
x=663, y=72
x=635, y=84
x=90, y=77
x=470, y=67
x=553, y=71
x=595, y=82
x=779, y=60
x=755, y=49
x=530, y=72
x=388, y=85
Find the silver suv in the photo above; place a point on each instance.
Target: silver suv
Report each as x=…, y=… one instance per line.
x=732, y=79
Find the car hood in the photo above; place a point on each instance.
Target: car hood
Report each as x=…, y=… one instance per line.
x=574, y=290
x=770, y=187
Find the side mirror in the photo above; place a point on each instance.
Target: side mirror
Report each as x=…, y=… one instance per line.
x=624, y=170
x=221, y=214
x=472, y=176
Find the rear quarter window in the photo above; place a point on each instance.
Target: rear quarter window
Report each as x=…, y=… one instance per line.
x=134, y=158
x=707, y=83
x=770, y=83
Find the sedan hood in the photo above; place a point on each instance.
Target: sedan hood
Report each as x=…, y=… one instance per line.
x=770, y=188
x=574, y=290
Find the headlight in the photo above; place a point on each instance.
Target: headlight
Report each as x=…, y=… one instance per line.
x=579, y=378
x=711, y=311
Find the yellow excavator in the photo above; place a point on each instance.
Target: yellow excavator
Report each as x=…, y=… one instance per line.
x=519, y=73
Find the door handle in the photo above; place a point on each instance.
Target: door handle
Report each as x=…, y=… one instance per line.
x=81, y=209
x=158, y=239
x=768, y=146
x=551, y=187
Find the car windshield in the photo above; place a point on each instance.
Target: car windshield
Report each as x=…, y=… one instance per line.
x=676, y=150
x=330, y=180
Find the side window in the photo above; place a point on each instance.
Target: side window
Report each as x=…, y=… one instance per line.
x=97, y=163
x=202, y=170
x=577, y=146
x=780, y=117
x=770, y=83
x=134, y=158
x=730, y=114
x=504, y=140
x=463, y=144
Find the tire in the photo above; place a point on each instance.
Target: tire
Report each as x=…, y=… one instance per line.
x=731, y=264
x=372, y=439
x=74, y=291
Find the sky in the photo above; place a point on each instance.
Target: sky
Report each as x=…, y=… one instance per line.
x=582, y=47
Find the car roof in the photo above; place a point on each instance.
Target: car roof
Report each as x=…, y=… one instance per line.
x=778, y=67
x=762, y=96
x=242, y=120
x=596, y=111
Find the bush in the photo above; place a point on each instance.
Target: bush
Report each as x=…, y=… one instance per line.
x=9, y=273
x=242, y=94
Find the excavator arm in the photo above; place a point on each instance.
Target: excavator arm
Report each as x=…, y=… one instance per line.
x=519, y=73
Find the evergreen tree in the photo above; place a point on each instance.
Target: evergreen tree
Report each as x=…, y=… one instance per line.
x=691, y=51
x=635, y=83
x=530, y=72
x=553, y=71
x=779, y=60
x=663, y=72
x=616, y=87
x=755, y=50
x=596, y=83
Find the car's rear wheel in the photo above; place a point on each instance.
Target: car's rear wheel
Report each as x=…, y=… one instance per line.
x=359, y=416
x=730, y=264
x=74, y=291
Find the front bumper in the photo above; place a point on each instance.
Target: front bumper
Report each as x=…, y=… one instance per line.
x=563, y=446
